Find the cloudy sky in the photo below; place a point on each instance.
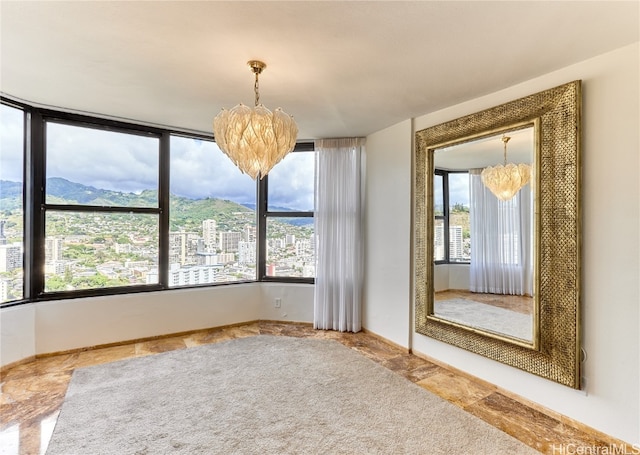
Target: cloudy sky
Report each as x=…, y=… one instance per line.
x=10, y=144
x=128, y=163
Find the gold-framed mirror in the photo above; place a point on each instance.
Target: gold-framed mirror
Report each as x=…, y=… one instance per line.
x=543, y=338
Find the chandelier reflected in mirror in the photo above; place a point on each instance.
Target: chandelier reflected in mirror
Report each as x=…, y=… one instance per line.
x=255, y=139
x=505, y=180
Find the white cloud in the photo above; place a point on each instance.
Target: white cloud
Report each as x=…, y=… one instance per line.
x=129, y=163
x=199, y=169
x=103, y=159
x=11, y=143
x=291, y=182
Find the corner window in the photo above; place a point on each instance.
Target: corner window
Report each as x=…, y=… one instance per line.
x=212, y=221
x=452, y=228
x=11, y=203
x=101, y=210
x=290, y=238
x=91, y=207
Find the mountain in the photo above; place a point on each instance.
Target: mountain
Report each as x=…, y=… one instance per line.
x=292, y=221
x=82, y=194
x=186, y=213
x=10, y=189
x=10, y=195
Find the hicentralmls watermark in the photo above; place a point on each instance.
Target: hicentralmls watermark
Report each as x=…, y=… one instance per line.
x=581, y=449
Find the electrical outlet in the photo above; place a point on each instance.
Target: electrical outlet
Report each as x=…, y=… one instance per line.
x=278, y=303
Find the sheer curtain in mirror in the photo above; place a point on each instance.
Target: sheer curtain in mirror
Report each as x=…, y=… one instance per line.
x=502, y=249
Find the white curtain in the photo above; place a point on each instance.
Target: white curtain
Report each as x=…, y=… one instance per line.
x=339, y=231
x=501, y=240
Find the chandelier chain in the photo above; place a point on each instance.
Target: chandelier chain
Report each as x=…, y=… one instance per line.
x=505, y=139
x=256, y=89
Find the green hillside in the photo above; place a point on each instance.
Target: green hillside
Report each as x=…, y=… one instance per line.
x=184, y=211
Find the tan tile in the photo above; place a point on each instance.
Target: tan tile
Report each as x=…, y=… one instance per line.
x=20, y=371
x=459, y=390
x=104, y=355
x=271, y=328
x=411, y=367
x=242, y=331
x=373, y=348
x=342, y=337
x=300, y=331
x=217, y=335
x=27, y=388
x=543, y=433
x=62, y=362
x=206, y=337
x=32, y=408
x=159, y=345
x=30, y=437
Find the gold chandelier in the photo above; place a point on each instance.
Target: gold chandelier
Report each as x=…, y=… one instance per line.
x=506, y=180
x=255, y=139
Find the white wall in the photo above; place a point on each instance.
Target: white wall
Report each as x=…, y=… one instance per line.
x=451, y=276
x=459, y=276
x=60, y=325
x=611, y=270
x=296, y=302
x=17, y=333
x=387, y=222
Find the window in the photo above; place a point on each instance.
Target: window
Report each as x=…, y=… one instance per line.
x=11, y=203
x=452, y=230
x=212, y=221
x=459, y=222
x=97, y=207
x=440, y=224
x=289, y=202
x=101, y=210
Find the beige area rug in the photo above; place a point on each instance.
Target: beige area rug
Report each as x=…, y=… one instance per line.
x=263, y=395
x=486, y=317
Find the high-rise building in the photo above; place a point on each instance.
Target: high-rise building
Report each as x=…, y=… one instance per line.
x=10, y=257
x=455, y=243
x=303, y=248
x=438, y=236
x=246, y=252
x=226, y=258
x=3, y=238
x=53, y=249
x=249, y=233
x=184, y=276
x=183, y=247
x=229, y=241
x=209, y=234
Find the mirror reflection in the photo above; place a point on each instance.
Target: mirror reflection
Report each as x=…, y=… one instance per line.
x=484, y=238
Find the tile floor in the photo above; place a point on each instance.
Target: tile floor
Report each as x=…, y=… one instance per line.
x=33, y=392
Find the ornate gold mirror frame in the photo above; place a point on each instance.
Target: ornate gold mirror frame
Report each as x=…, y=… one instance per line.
x=555, y=353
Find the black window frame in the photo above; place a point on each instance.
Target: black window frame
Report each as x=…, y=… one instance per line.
x=264, y=214
x=446, y=215
x=35, y=205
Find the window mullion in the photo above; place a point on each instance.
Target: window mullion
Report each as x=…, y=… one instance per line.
x=34, y=186
x=164, y=205
x=262, y=227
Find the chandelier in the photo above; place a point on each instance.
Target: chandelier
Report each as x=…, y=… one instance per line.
x=255, y=139
x=505, y=181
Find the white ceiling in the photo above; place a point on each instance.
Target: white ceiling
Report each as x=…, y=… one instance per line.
x=340, y=68
x=488, y=151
